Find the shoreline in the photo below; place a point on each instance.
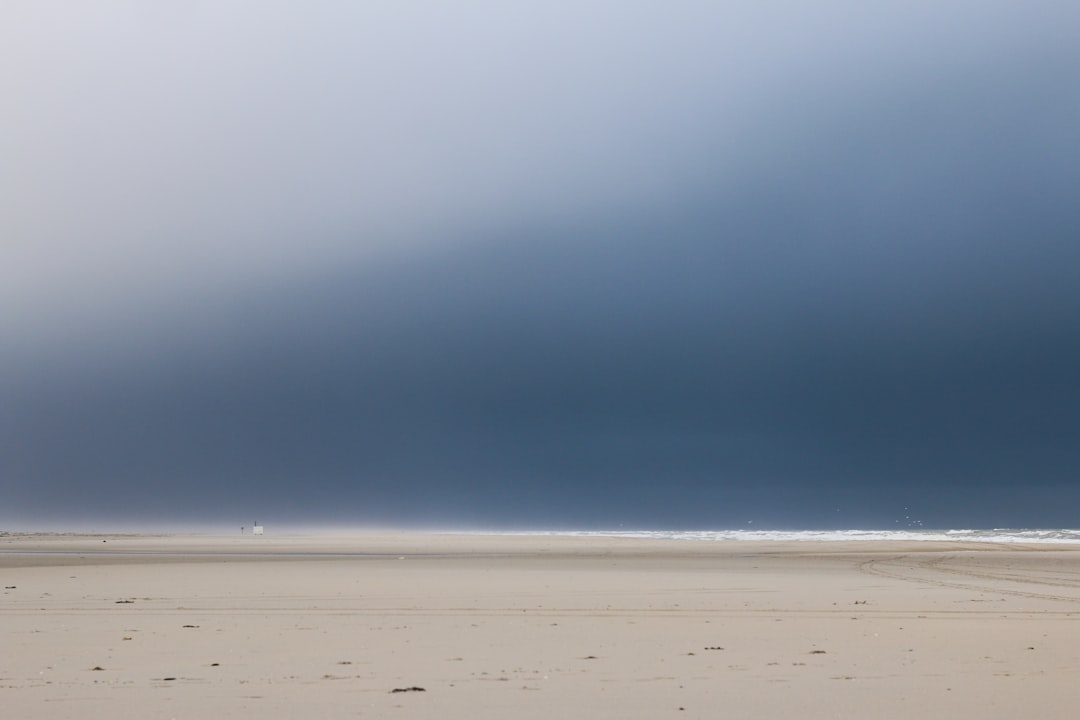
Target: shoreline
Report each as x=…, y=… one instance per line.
x=440, y=544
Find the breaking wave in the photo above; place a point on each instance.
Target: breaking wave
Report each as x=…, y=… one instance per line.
x=997, y=535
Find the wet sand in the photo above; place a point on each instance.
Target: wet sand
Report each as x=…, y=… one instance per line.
x=456, y=626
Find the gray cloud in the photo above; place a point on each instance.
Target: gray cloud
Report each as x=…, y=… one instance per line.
x=497, y=265
x=159, y=153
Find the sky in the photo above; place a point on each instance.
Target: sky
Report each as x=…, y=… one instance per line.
x=540, y=265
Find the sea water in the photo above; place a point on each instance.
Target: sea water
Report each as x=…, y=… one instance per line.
x=997, y=535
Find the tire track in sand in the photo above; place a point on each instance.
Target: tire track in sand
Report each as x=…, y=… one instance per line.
x=908, y=569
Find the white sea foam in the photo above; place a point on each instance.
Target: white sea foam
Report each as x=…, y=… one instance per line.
x=997, y=535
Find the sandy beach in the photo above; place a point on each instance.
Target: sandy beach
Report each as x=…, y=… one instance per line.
x=473, y=626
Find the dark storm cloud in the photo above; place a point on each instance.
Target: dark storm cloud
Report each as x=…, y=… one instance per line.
x=869, y=307
x=153, y=154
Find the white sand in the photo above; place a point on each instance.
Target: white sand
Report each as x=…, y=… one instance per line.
x=534, y=627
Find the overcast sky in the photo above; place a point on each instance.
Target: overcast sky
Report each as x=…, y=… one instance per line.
x=540, y=264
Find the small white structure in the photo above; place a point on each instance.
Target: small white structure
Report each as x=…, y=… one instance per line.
x=256, y=529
